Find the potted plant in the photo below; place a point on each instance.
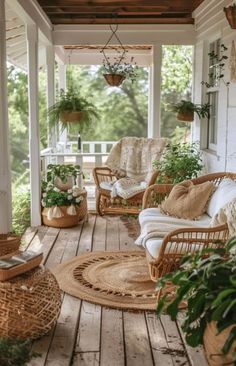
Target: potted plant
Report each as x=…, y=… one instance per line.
x=60, y=207
x=16, y=352
x=230, y=12
x=63, y=176
x=115, y=73
x=185, y=110
x=72, y=108
x=180, y=161
x=207, y=282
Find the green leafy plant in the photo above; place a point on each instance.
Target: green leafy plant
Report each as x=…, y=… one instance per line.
x=119, y=67
x=53, y=196
x=207, y=282
x=21, y=210
x=179, y=162
x=71, y=101
x=62, y=171
x=15, y=352
x=188, y=107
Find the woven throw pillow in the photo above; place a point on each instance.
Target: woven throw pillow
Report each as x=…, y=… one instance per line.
x=188, y=201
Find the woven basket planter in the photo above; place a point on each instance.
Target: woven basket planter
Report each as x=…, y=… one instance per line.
x=213, y=344
x=68, y=220
x=29, y=304
x=230, y=13
x=64, y=186
x=71, y=116
x=9, y=244
x=186, y=117
x=114, y=79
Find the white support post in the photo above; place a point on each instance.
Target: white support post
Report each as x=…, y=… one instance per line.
x=154, y=110
x=5, y=168
x=32, y=54
x=62, y=85
x=50, y=61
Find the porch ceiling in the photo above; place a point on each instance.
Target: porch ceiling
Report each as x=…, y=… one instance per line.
x=120, y=11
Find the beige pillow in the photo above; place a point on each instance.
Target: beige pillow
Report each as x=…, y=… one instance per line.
x=188, y=201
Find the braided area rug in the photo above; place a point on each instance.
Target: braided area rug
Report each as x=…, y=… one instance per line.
x=118, y=280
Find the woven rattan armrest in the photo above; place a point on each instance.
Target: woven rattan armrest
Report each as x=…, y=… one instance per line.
x=155, y=194
x=184, y=241
x=103, y=174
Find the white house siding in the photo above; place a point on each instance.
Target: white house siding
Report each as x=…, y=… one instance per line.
x=211, y=23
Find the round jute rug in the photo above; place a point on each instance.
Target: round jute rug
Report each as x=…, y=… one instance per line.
x=114, y=279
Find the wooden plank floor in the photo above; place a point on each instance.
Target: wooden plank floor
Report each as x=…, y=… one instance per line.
x=91, y=335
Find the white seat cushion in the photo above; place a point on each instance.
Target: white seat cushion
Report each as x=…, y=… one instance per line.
x=225, y=193
x=154, y=215
x=106, y=185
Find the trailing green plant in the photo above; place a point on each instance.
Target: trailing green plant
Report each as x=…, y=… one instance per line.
x=180, y=161
x=186, y=107
x=14, y=352
x=62, y=171
x=53, y=196
x=21, y=210
x=119, y=67
x=207, y=281
x=71, y=101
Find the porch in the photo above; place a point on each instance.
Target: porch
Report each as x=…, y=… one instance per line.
x=115, y=337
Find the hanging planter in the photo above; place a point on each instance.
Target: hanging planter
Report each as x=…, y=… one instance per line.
x=114, y=79
x=71, y=116
x=230, y=13
x=185, y=117
x=185, y=110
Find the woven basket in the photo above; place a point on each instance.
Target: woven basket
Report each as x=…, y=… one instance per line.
x=71, y=117
x=68, y=220
x=9, y=244
x=186, y=117
x=213, y=344
x=114, y=79
x=6, y=274
x=29, y=304
x=64, y=186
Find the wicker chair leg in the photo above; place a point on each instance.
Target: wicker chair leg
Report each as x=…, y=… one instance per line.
x=98, y=204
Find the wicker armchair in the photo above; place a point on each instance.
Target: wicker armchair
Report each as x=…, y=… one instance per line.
x=107, y=205
x=119, y=160
x=185, y=240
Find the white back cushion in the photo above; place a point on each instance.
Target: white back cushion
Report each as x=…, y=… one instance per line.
x=225, y=193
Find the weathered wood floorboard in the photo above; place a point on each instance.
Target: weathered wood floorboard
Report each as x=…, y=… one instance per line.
x=91, y=335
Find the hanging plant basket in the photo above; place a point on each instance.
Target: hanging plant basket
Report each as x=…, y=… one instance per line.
x=71, y=116
x=186, y=117
x=114, y=79
x=230, y=13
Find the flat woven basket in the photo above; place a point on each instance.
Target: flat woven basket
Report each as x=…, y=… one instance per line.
x=29, y=304
x=9, y=244
x=6, y=274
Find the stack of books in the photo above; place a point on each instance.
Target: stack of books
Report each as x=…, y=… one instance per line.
x=19, y=263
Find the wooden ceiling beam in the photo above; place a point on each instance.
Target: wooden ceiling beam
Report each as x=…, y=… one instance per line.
x=114, y=10
x=165, y=3
x=76, y=20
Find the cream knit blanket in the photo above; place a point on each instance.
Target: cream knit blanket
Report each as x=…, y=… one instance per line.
x=226, y=215
x=133, y=157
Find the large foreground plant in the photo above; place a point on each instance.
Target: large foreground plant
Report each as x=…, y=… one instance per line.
x=207, y=282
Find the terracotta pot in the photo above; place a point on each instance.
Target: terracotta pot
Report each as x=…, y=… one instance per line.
x=9, y=243
x=114, y=79
x=64, y=186
x=186, y=117
x=213, y=344
x=71, y=117
x=230, y=13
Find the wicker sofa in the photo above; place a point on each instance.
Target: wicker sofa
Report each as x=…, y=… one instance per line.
x=164, y=254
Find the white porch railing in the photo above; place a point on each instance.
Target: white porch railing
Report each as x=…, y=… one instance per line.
x=92, y=154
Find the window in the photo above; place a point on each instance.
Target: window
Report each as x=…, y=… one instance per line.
x=212, y=121
x=214, y=63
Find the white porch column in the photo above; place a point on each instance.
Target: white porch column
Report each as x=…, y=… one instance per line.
x=154, y=110
x=32, y=54
x=50, y=62
x=5, y=168
x=62, y=85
